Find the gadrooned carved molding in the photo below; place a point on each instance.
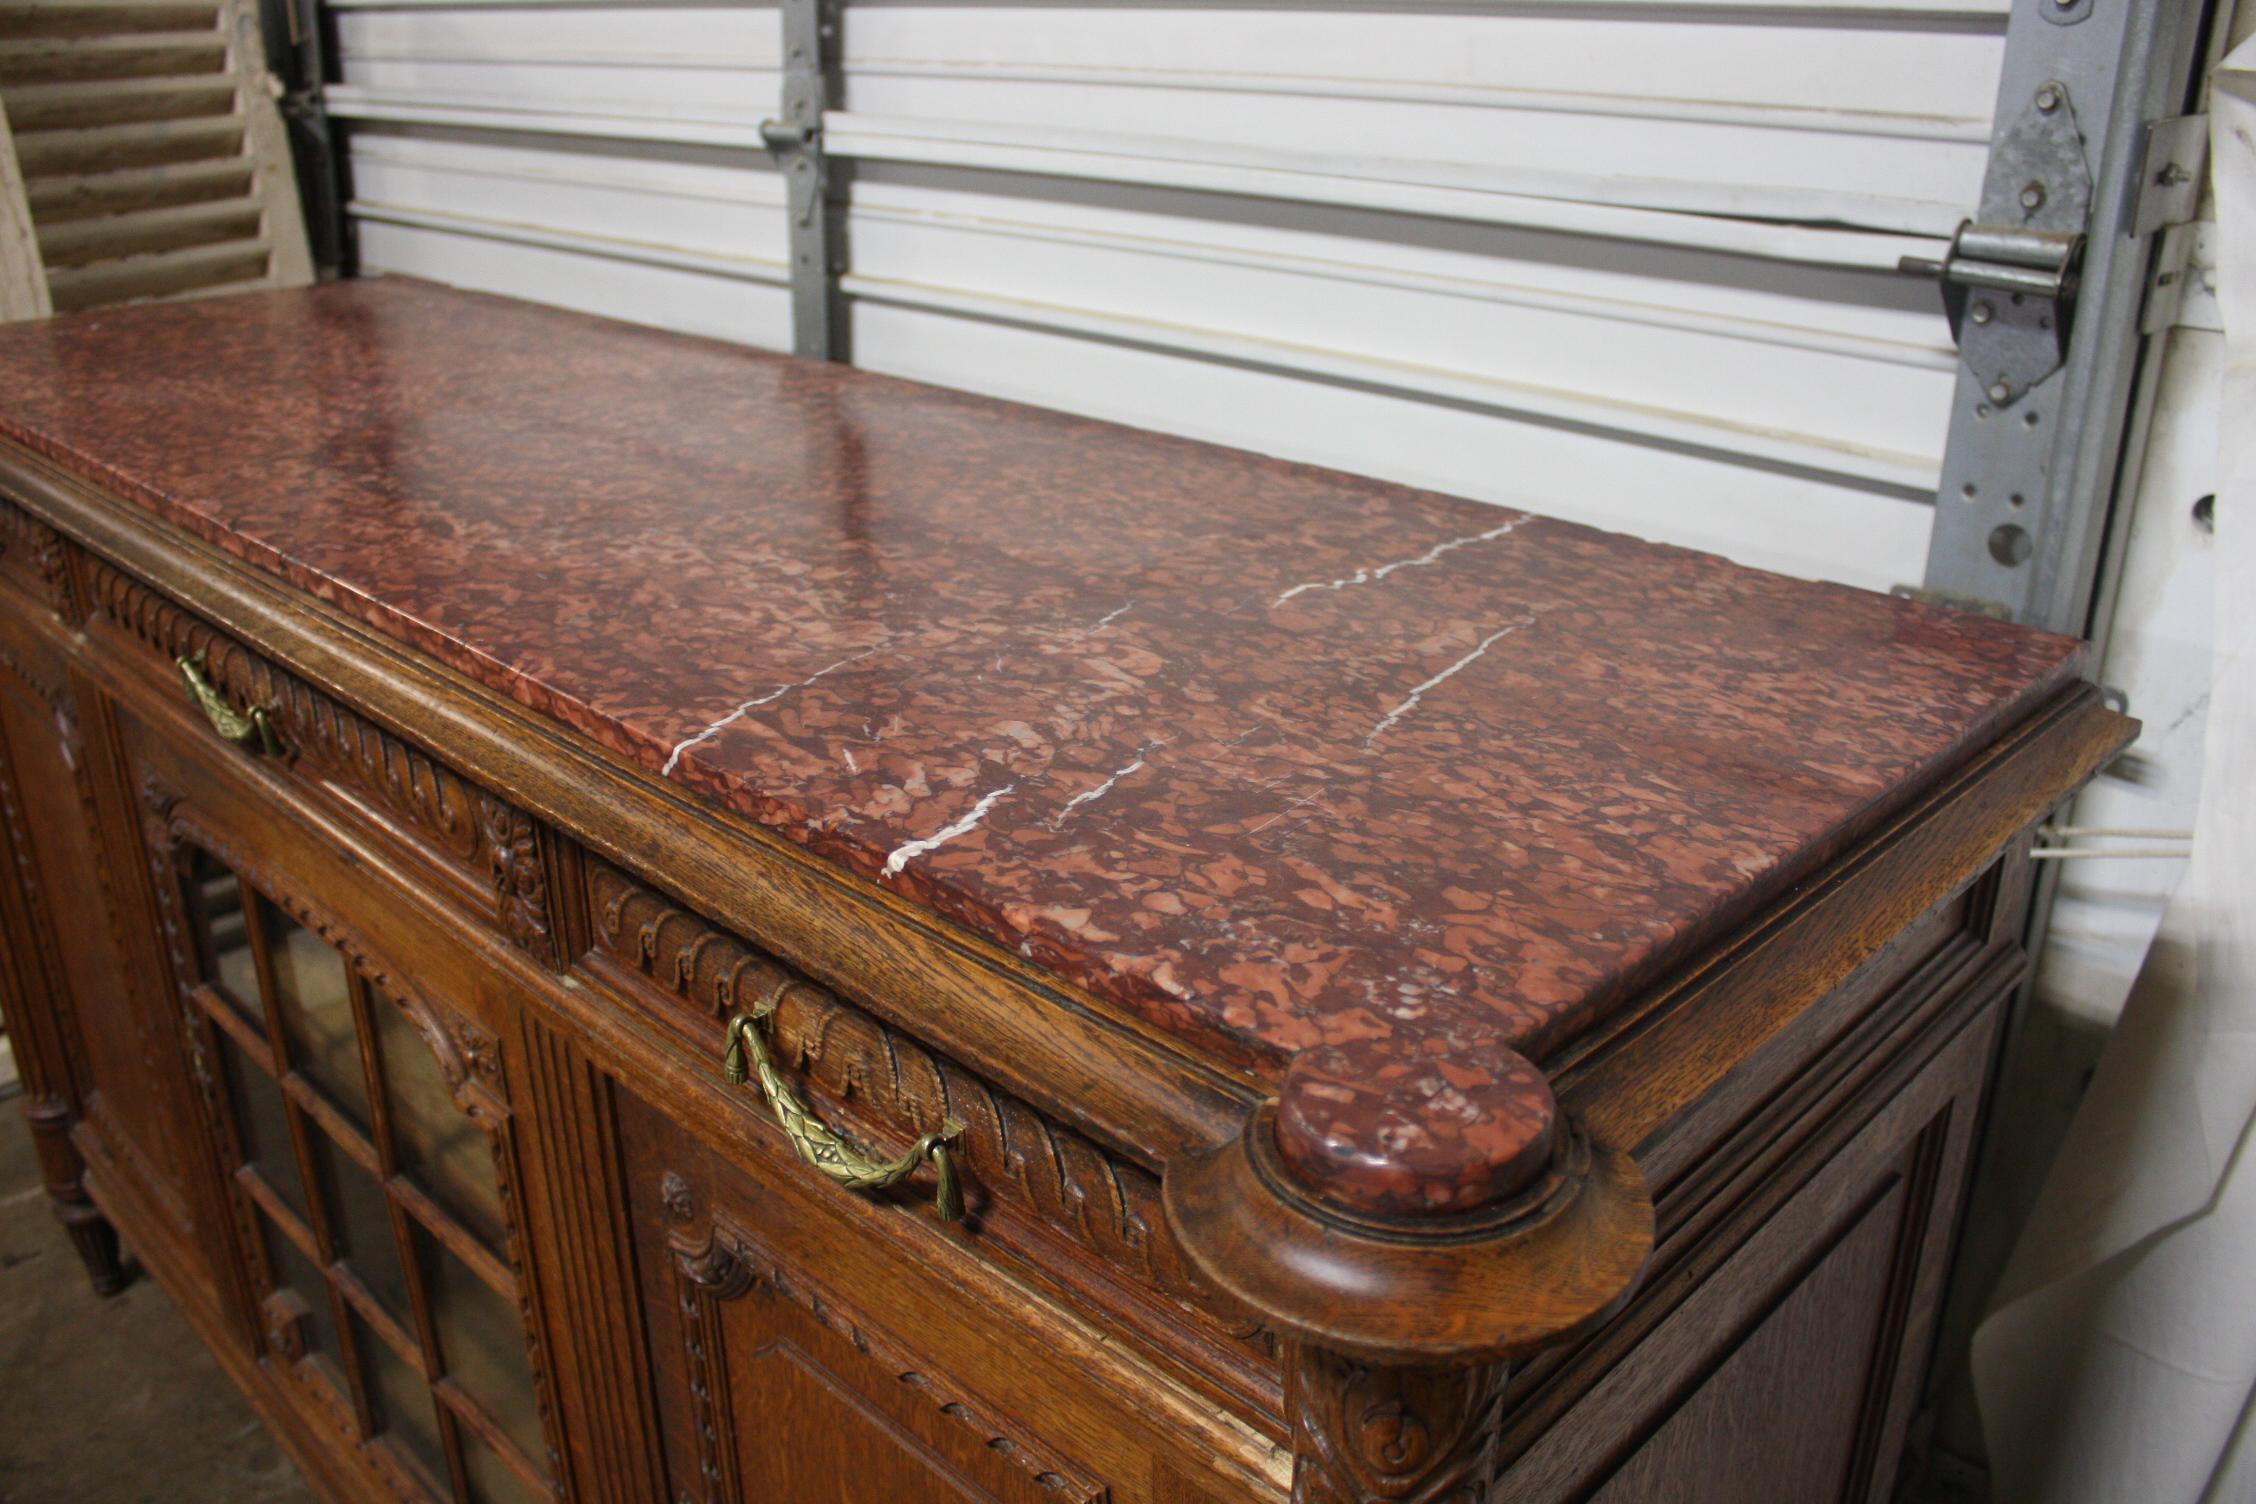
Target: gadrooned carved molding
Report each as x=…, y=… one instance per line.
x=1008, y=1149
x=488, y=839
x=722, y=1262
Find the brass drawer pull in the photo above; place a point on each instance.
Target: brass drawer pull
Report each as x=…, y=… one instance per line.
x=253, y=731
x=819, y=1145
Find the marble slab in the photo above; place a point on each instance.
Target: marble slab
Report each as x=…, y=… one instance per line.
x=1295, y=765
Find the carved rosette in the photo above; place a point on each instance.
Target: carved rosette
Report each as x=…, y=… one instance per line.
x=1364, y=1434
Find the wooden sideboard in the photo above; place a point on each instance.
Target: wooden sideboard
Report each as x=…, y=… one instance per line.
x=621, y=919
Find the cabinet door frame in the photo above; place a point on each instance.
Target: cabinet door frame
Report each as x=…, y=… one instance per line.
x=288, y=862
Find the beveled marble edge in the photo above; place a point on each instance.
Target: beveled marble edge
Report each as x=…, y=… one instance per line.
x=1350, y=1090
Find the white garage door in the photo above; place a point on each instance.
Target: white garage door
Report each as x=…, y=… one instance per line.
x=1631, y=263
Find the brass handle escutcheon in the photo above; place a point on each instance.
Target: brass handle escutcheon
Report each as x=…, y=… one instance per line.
x=253, y=731
x=820, y=1145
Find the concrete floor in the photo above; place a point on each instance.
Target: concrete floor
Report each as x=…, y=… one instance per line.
x=110, y=1401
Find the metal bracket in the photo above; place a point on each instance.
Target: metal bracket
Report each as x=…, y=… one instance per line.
x=794, y=139
x=300, y=43
x=2010, y=281
x=2170, y=169
x=1951, y=599
x=2183, y=291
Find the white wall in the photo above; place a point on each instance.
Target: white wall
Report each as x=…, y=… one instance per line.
x=1628, y=261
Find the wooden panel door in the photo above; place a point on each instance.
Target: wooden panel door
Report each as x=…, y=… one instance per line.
x=1790, y=1371
x=92, y=1037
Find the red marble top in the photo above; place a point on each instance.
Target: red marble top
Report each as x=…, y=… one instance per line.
x=1293, y=764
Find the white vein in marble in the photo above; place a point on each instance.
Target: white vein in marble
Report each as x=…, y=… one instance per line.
x=1105, y=787
x=1431, y=555
x=1387, y=721
x=907, y=851
x=674, y=758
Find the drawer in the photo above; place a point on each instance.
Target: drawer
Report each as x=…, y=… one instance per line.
x=457, y=841
x=814, y=1347
x=1044, y=1201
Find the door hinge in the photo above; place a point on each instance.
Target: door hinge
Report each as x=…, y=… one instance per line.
x=2010, y=295
x=2009, y=280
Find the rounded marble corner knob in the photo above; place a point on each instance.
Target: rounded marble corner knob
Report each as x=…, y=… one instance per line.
x=1515, y=1275
x=1365, y=1129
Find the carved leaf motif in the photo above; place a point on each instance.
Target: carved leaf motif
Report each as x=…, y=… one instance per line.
x=50, y=555
x=1365, y=1435
x=676, y=1197
x=520, y=884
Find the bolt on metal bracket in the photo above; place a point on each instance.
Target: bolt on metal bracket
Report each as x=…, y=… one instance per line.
x=2170, y=172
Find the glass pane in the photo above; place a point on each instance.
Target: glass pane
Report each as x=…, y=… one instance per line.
x=294, y=1272
x=262, y=1123
x=315, y=1003
x=405, y=1411
x=442, y=1149
x=216, y=899
x=481, y=1344
x=361, y=1223
x=491, y=1481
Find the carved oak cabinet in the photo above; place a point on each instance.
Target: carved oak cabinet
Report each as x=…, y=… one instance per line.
x=622, y=919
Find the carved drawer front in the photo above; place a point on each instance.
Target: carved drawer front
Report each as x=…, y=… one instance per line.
x=1035, y=1190
x=464, y=843
x=351, y=1068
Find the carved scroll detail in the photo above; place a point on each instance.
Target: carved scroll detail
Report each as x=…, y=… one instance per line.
x=1364, y=1435
x=520, y=881
x=724, y=1263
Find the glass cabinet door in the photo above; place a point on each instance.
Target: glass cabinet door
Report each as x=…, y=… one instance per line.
x=364, y=1153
